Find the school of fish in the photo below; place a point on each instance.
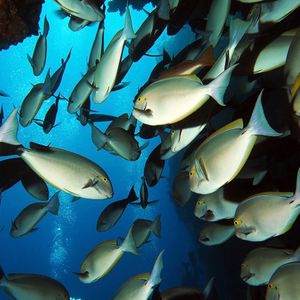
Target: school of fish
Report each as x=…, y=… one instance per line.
x=227, y=105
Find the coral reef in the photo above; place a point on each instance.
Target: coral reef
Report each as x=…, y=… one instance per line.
x=18, y=19
x=119, y=5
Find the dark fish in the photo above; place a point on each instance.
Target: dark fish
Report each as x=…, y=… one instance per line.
x=50, y=118
x=154, y=167
x=1, y=115
x=58, y=74
x=113, y=212
x=3, y=94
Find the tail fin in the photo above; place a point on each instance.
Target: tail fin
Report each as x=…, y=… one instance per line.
x=9, y=144
x=237, y=30
x=218, y=86
x=46, y=27
x=53, y=204
x=207, y=58
x=30, y=61
x=99, y=139
x=2, y=276
x=297, y=254
x=68, y=57
x=132, y=195
x=128, y=244
x=128, y=32
x=155, y=278
x=156, y=226
x=163, y=11
x=297, y=191
x=258, y=124
x=47, y=86
x=208, y=288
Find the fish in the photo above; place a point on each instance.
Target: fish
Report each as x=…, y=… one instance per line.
x=49, y=121
x=184, y=293
x=214, y=207
x=125, y=122
x=97, y=47
x=171, y=100
x=292, y=66
x=254, y=217
x=16, y=170
x=82, y=9
x=57, y=76
x=276, y=11
x=103, y=258
x=284, y=283
x=81, y=91
x=3, y=94
x=1, y=115
x=118, y=141
x=215, y=234
x=70, y=172
x=149, y=31
x=141, y=230
x=181, y=191
x=216, y=19
x=188, y=67
x=107, y=69
x=76, y=24
x=140, y=287
x=31, y=215
x=261, y=263
x=219, y=159
x=154, y=167
x=34, y=100
x=38, y=59
x=32, y=286
x=113, y=212
x=144, y=202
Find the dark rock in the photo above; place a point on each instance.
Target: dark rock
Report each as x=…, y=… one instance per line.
x=120, y=5
x=18, y=19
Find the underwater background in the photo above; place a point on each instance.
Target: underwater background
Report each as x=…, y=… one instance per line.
x=61, y=242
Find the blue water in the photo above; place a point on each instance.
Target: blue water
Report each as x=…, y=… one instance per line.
x=61, y=243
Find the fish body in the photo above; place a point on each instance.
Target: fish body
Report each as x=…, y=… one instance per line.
x=222, y=155
x=107, y=69
x=284, y=283
x=170, y=100
x=38, y=59
x=31, y=215
x=101, y=260
x=82, y=9
x=97, y=47
x=33, y=287
x=214, y=207
x=261, y=263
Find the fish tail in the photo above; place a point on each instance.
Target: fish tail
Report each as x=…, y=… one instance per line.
x=2, y=276
x=47, y=86
x=297, y=254
x=132, y=195
x=208, y=289
x=30, y=60
x=207, y=57
x=218, y=86
x=164, y=10
x=53, y=204
x=258, y=124
x=9, y=144
x=128, y=244
x=155, y=278
x=156, y=226
x=128, y=32
x=46, y=27
x=297, y=191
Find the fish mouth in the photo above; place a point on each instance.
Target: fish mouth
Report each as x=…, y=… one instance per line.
x=246, y=277
x=245, y=231
x=209, y=215
x=146, y=111
x=203, y=239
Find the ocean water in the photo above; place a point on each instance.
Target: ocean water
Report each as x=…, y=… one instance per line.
x=60, y=244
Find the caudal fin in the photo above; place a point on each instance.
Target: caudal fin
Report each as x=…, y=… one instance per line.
x=128, y=32
x=218, y=86
x=297, y=191
x=9, y=144
x=258, y=124
x=2, y=276
x=156, y=226
x=132, y=195
x=208, y=289
x=128, y=244
x=155, y=278
x=53, y=204
x=46, y=27
x=99, y=139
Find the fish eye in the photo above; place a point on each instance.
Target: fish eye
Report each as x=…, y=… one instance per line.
x=141, y=99
x=172, y=132
x=272, y=286
x=199, y=202
x=192, y=172
x=103, y=178
x=237, y=222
